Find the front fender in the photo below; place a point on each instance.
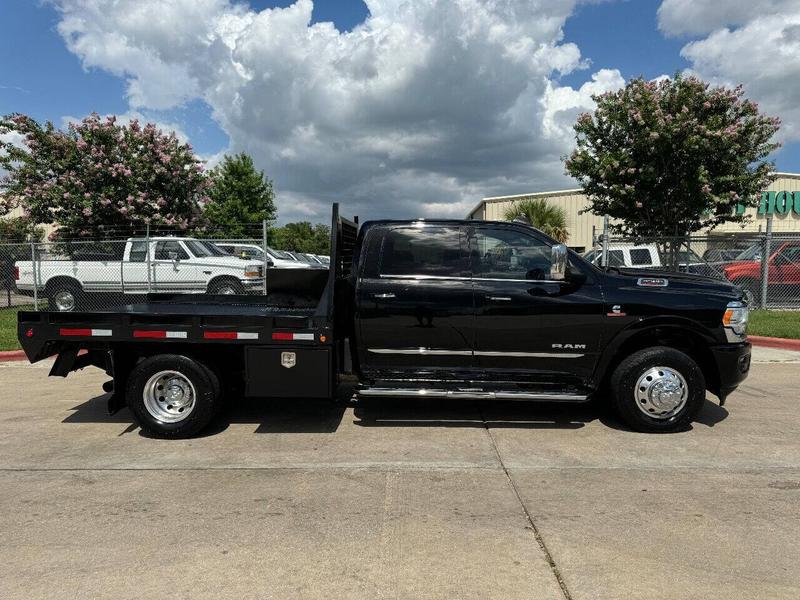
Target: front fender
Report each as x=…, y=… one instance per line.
x=670, y=325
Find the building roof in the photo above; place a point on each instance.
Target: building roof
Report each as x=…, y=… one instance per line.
x=572, y=191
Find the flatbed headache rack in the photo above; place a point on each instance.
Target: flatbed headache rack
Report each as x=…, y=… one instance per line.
x=194, y=322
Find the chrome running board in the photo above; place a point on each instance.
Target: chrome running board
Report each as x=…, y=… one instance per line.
x=468, y=394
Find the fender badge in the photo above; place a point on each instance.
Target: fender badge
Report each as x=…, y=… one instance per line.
x=288, y=359
x=652, y=282
x=616, y=311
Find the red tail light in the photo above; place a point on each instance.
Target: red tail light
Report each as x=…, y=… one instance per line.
x=16, y=273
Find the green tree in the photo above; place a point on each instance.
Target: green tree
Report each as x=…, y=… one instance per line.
x=546, y=217
x=15, y=235
x=99, y=178
x=302, y=237
x=671, y=157
x=240, y=199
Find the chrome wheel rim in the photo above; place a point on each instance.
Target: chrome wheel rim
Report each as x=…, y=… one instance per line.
x=169, y=396
x=226, y=290
x=64, y=300
x=661, y=392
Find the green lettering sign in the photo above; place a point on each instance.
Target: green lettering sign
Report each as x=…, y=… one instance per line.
x=775, y=203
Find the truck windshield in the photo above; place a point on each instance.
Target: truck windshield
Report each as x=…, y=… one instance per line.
x=279, y=254
x=203, y=249
x=752, y=253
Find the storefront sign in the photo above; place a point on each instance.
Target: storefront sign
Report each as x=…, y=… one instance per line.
x=776, y=203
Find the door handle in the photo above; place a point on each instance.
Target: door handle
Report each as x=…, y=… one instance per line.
x=384, y=295
x=498, y=298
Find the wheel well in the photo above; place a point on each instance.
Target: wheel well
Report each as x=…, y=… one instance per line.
x=678, y=338
x=224, y=279
x=54, y=282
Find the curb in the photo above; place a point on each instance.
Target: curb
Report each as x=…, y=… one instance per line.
x=773, y=342
x=9, y=355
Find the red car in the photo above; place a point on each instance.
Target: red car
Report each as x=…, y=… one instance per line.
x=784, y=271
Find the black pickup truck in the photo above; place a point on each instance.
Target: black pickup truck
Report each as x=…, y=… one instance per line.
x=440, y=309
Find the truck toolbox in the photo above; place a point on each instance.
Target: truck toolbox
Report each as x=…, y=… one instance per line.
x=288, y=372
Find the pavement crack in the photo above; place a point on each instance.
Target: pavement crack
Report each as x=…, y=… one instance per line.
x=531, y=523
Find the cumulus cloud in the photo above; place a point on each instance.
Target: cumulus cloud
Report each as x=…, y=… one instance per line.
x=420, y=110
x=755, y=43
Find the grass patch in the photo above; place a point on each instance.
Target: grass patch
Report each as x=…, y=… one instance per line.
x=775, y=323
x=8, y=327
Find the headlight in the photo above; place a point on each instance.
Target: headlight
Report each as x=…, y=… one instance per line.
x=735, y=320
x=254, y=271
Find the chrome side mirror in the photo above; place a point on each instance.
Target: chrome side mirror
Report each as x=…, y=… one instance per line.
x=558, y=262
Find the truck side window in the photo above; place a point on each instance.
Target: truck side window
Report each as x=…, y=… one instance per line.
x=432, y=251
x=508, y=254
x=165, y=249
x=641, y=256
x=615, y=258
x=138, y=252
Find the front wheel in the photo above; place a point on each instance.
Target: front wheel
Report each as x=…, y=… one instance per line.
x=658, y=390
x=173, y=396
x=225, y=287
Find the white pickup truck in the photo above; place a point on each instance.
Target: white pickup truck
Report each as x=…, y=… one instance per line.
x=177, y=265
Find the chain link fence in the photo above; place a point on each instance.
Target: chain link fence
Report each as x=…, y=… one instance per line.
x=765, y=265
x=126, y=265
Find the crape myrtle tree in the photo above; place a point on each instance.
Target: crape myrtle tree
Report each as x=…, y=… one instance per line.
x=667, y=158
x=240, y=199
x=99, y=178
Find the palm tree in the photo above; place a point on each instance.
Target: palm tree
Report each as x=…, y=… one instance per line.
x=546, y=217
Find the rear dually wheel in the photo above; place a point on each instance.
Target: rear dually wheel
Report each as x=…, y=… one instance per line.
x=173, y=396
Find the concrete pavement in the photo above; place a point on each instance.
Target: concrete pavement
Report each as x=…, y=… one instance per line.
x=399, y=499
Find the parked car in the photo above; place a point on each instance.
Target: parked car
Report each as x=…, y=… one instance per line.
x=423, y=309
x=648, y=256
x=177, y=265
x=277, y=258
x=783, y=277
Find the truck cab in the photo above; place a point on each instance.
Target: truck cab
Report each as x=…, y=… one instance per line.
x=500, y=310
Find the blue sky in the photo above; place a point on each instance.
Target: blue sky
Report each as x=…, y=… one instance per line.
x=50, y=81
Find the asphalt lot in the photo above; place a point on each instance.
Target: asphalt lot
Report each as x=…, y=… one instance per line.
x=399, y=499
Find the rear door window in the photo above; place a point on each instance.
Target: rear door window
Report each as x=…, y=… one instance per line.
x=138, y=252
x=427, y=251
x=641, y=256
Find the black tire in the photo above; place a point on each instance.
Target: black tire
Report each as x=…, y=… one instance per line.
x=627, y=399
x=225, y=286
x=60, y=291
x=207, y=396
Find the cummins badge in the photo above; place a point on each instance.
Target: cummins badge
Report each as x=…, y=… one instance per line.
x=288, y=359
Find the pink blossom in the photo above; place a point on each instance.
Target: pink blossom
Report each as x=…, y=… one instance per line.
x=87, y=212
x=706, y=189
x=124, y=210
